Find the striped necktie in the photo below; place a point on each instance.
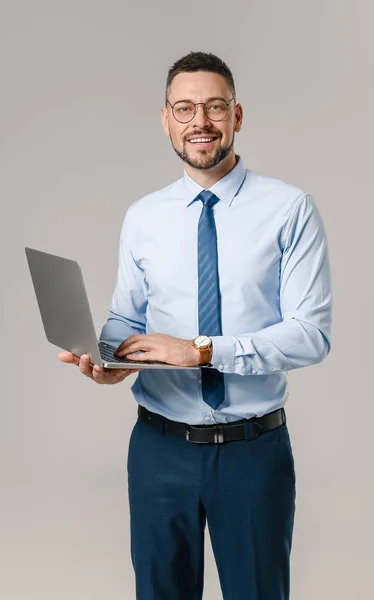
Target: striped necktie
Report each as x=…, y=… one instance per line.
x=213, y=386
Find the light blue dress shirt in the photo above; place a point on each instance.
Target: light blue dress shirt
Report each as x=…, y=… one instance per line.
x=275, y=291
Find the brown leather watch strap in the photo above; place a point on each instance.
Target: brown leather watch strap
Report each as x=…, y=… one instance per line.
x=205, y=356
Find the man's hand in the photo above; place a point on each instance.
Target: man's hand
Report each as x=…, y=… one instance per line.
x=160, y=347
x=94, y=372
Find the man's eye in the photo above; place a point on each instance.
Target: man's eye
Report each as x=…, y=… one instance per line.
x=215, y=107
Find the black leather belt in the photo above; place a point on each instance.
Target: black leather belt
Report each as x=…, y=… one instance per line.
x=214, y=434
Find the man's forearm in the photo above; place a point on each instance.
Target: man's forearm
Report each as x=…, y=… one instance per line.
x=285, y=346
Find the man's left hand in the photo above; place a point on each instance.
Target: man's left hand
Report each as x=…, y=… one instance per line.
x=160, y=347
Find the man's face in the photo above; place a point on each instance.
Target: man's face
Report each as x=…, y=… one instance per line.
x=200, y=87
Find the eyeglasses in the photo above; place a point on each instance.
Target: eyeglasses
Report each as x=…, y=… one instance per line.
x=185, y=110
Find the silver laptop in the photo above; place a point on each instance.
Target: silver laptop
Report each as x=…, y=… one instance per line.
x=66, y=313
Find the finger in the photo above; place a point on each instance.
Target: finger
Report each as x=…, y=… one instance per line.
x=68, y=357
x=84, y=365
x=130, y=342
x=122, y=350
x=127, y=342
x=120, y=373
x=140, y=346
x=102, y=375
x=130, y=372
x=98, y=374
x=141, y=356
x=119, y=348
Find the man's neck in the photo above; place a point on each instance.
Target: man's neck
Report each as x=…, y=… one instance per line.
x=207, y=178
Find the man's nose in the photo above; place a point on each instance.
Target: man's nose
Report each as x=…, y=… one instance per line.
x=200, y=117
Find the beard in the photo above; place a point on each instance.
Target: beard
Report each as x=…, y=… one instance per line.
x=205, y=162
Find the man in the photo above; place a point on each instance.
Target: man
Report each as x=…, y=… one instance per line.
x=229, y=269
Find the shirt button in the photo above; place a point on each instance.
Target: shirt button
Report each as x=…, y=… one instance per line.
x=200, y=381
x=220, y=367
x=254, y=371
x=207, y=418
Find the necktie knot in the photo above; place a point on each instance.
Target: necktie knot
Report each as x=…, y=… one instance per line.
x=208, y=198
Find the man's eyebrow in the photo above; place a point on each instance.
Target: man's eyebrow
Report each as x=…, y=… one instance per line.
x=216, y=98
x=207, y=100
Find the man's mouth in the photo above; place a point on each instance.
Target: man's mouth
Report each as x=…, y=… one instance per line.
x=202, y=140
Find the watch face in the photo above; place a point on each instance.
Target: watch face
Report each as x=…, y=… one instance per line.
x=202, y=341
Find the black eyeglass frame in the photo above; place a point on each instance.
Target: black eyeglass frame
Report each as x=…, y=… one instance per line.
x=197, y=104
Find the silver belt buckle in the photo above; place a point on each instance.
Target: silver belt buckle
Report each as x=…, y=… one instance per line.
x=218, y=434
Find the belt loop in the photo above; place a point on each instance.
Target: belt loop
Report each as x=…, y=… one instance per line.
x=249, y=431
x=252, y=429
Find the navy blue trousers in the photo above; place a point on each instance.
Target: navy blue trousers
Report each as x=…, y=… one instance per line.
x=245, y=492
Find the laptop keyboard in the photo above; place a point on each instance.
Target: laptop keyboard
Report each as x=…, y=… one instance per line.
x=106, y=352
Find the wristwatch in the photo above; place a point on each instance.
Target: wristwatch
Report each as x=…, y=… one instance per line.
x=204, y=344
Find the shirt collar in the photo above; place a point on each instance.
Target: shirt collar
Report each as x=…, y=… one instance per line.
x=226, y=188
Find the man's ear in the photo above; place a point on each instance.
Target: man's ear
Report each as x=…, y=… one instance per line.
x=238, y=117
x=165, y=120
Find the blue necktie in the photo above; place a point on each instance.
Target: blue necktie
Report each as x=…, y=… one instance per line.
x=213, y=386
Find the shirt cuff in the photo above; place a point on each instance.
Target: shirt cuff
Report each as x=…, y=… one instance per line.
x=223, y=353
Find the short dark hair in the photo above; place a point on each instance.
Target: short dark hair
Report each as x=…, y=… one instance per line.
x=199, y=61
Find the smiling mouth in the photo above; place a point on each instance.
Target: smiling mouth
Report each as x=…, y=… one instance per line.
x=203, y=140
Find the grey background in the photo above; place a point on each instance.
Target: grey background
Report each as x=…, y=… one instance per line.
x=81, y=87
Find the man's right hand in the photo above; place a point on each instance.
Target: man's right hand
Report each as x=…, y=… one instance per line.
x=95, y=372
